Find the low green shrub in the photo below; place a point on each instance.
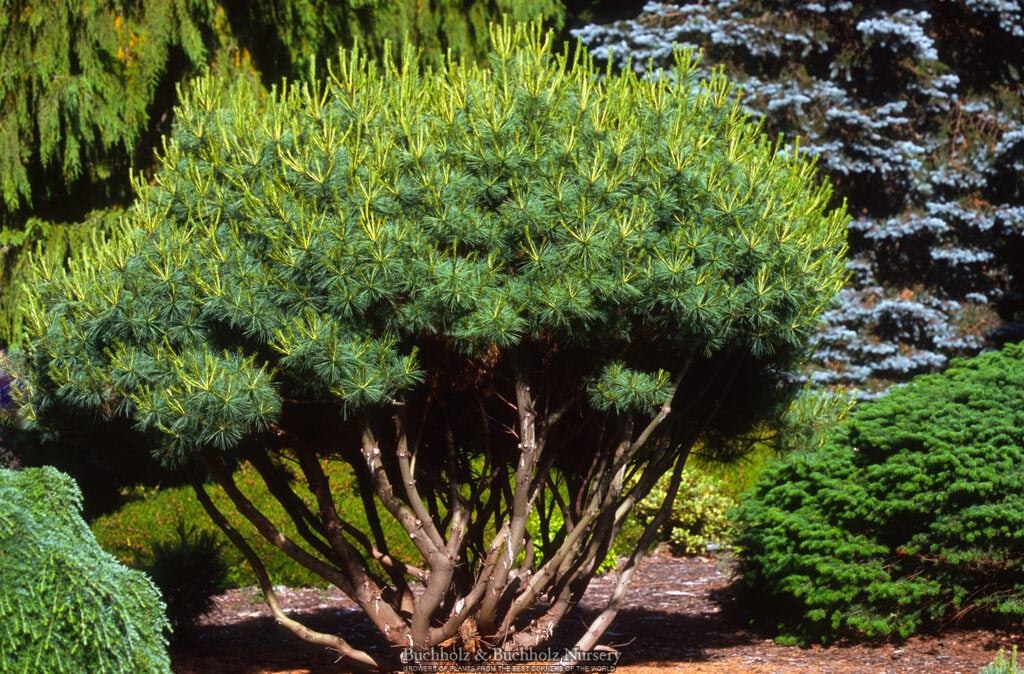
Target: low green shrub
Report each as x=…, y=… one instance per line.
x=65, y=604
x=189, y=571
x=151, y=516
x=699, y=512
x=910, y=516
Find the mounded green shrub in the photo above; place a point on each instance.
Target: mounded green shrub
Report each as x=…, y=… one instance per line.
x=910, y=516
x=698, y=515
x=65, y=605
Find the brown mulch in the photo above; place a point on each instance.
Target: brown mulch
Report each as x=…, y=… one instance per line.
x=679, y=616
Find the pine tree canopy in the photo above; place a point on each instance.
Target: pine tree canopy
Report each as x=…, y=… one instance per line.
x=485, y=287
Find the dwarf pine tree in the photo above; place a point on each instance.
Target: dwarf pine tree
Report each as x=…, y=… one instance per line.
x=490, y=290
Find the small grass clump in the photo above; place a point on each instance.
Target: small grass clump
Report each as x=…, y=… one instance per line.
x=1002, y=665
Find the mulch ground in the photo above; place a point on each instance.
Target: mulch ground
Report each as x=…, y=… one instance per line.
x=679, y=616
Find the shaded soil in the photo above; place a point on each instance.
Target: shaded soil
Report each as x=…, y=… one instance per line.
x=679, y=616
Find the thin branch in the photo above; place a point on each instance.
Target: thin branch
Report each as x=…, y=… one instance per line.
x=353, y=561
x=317, y=479
x=380, y=549
x=386, y=493
x=457, y=506
x=604, y=619
x=296, y=508
x=405, y=468
x=218, y=470
x=528, y=449
x=496, y=486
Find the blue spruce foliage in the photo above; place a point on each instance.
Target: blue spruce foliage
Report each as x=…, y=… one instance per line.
x=915, y=115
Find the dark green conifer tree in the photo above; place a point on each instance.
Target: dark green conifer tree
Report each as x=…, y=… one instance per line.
x=910, y=518
x=483, y=288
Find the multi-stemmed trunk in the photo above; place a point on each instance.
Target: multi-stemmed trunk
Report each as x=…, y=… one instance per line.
x=481, y=570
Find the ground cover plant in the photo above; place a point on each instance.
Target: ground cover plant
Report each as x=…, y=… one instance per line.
x=65, y=604
x=911, y=516
x=461, y=281
x=915, y=114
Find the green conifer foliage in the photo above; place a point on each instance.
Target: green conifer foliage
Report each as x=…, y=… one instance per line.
x=910, y=517
x=87, y=89
x=76, y=80
x=286, y=38
x=65, y=605
x=482, y=287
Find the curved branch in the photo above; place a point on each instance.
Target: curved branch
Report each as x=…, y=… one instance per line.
x=383, y=615
x=604, y=619
x=358, y=658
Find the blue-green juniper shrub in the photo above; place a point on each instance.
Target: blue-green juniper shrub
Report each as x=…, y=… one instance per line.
x=478, y=286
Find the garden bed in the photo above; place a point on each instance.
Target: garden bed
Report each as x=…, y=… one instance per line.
x=680, y=615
